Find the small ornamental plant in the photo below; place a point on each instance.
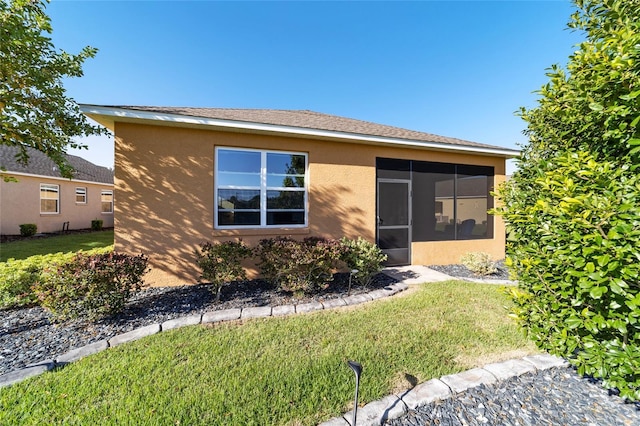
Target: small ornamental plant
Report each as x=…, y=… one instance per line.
x=28, y=229
x=221, y=263
x=299, y=267
x=479, y=263
x=18, y=276
x=91, y=286
x=364, y=257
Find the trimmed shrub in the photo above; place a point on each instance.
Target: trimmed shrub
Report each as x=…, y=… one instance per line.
x=96, y=224
x=222, y=263
x=91, y=286
x=363, y=256
x=299, y=266
x=18, y=276
x=28, y=229
x=479, y=263
x=577, y=260
x=571, y=208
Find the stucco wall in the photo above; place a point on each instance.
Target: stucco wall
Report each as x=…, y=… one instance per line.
x=165, y=195
x=20, y=203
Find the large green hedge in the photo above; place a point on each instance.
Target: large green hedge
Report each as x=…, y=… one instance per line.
x=573, y=207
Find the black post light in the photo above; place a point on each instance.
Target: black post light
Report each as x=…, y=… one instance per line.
x=357, y=368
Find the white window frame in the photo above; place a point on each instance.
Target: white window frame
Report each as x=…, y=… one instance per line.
x=106, y=192
x=82, y=193
x=263, y=189
x=49, y=187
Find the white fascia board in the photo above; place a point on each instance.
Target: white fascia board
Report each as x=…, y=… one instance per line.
x=9, y=173
x=176, y=119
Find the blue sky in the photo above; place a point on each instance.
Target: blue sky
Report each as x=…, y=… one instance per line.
x=453, y=68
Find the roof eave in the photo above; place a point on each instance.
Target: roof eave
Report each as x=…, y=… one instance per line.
x=108, y=116
x=9, y=173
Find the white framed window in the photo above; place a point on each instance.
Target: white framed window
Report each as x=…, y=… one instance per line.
x=49, y=198
x=106, y=197
x=81, y=195
x=260, y=189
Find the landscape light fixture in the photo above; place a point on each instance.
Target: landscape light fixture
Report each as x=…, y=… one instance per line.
x=357, y=368
x=351, y=274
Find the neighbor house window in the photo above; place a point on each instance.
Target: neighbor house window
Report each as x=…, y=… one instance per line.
x=260, y=188
x=49, y=198
x=107, y=201
x=81, y=195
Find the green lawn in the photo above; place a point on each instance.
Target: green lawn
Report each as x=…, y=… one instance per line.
x=59, y=243
x=280, y=371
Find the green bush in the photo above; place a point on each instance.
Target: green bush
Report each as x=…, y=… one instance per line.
x=222, y=263
x=96, y=224
x=298, y=266
x=363, y=256
x=479, y=263
x=91, y=286
x=571, y=208
x=17, y=277
x=28, y=229
x=577, y=257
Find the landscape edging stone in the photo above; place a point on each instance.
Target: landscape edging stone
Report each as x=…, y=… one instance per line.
x=439, y=389
x=76, y=354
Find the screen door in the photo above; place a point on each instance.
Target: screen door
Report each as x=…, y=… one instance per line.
x=394, y=220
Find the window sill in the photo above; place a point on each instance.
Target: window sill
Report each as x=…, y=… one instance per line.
x=259, y=232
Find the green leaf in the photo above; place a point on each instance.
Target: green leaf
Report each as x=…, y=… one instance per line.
x=596, y=106
x=617, y=286
x=573, y=322
x=597, y=292
x=630, y=96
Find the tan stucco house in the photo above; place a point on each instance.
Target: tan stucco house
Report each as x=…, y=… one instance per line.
x=188, y=175
x=39, y=194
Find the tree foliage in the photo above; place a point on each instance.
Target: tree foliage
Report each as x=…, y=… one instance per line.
x=34, y=108
x=573, y=207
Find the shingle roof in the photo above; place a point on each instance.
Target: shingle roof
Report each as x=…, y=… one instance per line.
x=40, y=164
x=307, y=120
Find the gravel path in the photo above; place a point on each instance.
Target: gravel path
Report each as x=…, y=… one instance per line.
x=552, y=397
x=29, y=335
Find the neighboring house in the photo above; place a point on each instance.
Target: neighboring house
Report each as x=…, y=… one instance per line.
x=188, y=175
x=40, y=195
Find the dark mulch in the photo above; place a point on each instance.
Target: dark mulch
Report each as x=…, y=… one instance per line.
x=461, y=271
x=29, y=335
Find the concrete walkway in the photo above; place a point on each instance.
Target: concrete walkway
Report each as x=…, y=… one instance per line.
x=416, y=274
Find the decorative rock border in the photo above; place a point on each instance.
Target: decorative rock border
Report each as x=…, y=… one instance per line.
x=208, y=317
x=395, y=406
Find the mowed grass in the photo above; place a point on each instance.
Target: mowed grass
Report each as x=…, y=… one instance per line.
x=276, y=371
x=60, y=243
